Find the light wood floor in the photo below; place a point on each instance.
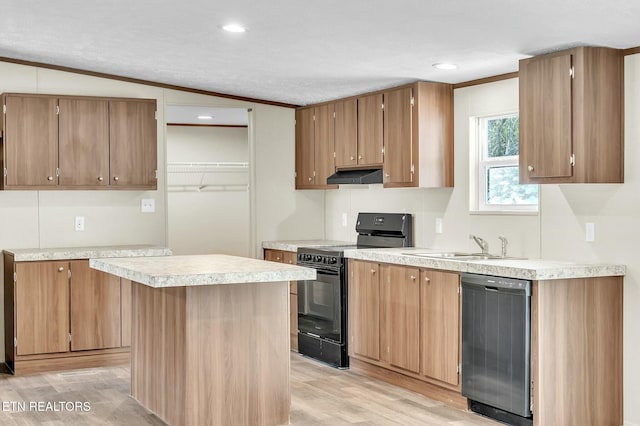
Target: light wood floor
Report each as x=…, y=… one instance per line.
x=320, y=395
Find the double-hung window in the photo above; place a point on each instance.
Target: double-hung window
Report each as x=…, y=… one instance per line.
x=498, y=185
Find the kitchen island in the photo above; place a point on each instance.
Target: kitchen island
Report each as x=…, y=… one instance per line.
x=210, y=337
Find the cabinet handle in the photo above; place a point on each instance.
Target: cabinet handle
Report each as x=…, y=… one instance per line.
x=360, y=157
x=413, y=277
x=387, y=175
x=310, y=179
x=427, y=279
x=100, y=178
x=373, y=271
x=277, y=258
x=116, y=178
x=49, y=178
x=353, y=158
x=530, y=168
x=60, y=269
x=291, y=262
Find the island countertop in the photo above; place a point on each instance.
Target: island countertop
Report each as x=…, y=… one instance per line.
x=210, y=269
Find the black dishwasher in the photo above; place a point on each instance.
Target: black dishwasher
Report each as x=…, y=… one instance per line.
x=496, y=347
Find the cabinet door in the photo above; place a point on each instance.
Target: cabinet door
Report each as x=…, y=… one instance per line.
x=370, y=130
x=125, y=315
x=346, y=133
x=397, y=136
x=364, y=310
x=545, y=118
x=133, y=143
x=440, y=309
x=324, y=162
x=84, y=142
x=42, y=307
x=95, y=308
x=31, y=141
x=401, y=316
x=304, y=148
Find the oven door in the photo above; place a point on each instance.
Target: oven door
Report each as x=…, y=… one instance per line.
x=320, y=305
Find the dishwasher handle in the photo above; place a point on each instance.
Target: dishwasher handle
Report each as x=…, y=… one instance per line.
x=493, y=283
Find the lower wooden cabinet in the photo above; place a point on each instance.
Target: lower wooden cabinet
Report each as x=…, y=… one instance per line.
x=400, y=310
x=63, y=314
x=95, y=308
x=440, y=319
x=364, y=310
x=407, y=320
x=41, y=308
x=289, y=257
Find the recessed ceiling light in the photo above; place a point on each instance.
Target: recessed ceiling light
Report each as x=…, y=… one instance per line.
x=234, y=28
x=205, y=117
x=445, y=66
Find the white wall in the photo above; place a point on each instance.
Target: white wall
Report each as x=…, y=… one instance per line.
x=208, y=221
x=556, y=233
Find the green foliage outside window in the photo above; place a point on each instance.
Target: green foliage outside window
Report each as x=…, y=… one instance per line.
x=502, y=186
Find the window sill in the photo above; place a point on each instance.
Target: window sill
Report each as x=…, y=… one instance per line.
x=505, y=212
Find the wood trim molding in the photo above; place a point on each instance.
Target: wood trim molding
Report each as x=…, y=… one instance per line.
x=144, y=82
x=631, y=51
x=208, y=125
x=486, y=80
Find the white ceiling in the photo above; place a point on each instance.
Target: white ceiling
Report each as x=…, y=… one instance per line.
x=306, y=51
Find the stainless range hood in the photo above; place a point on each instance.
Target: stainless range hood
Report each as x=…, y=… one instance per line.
x=359, y=176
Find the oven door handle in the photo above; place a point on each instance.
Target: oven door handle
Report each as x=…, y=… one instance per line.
x=324, y=271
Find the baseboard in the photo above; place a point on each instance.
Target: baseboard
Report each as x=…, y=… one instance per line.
x=89, y=359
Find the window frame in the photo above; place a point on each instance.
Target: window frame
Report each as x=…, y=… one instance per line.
x=484, y=163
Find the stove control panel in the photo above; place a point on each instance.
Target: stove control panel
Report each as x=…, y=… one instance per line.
x=319, y=259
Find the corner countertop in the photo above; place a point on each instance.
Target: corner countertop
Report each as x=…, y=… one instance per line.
x=209, y=269
x=293, y=245
x=68, y=253
x=529, y=269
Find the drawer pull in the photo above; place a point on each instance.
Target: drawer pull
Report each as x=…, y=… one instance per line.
x=60, y=269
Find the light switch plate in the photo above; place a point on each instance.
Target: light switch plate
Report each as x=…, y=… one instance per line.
x=79, y=223
x=148, y=205
x=590, y=232
x=344, y=220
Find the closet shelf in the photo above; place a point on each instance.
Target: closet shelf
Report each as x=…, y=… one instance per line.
x=208, y=176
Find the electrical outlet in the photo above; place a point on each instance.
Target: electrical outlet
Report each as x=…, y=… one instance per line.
x=148, y=205
x=79, y=223
x=344, y=220
x=438, y=225
x=590, y=232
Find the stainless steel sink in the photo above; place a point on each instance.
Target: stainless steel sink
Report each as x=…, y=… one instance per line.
x=459, y=256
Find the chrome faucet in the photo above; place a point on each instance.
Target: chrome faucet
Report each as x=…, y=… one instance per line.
x=504, y=242
x=484, y=246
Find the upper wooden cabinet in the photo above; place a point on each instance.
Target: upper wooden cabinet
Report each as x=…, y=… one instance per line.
x=66, y=142
x=370, y=130
x=418, y=136
x=408, y=131
x=571, y=117
x=398, y=149
x=346, y=133
x=31, y=122
x=83, y=142
x=314, y=147
x=133, y=143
